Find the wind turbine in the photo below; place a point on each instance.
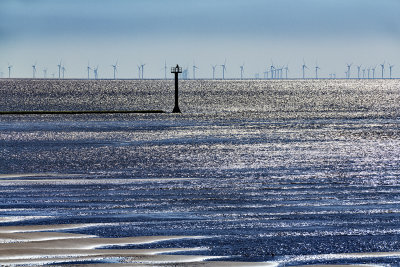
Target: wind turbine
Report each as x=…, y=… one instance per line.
x=194, y=70
x=273, y=69
x=165, y=70
x=359, y=68
x=390, y=69
x=316, y=70
x=63, y=71
x=9, y=70
x=242, y=71
x=266, y=74
x=304, y=66
x=88, y=70
x=95, y=71
x=369, y=70
x=45, y=73
x=223, y=70
x=287, y=70
x=34, y=70
x=142, y=66
x=373, y=72
x=348, y=70
x=383, y=68
x=59, y=69
x=185, y=73
x=279, y=72
x=139, y=70
x=213, y=70
x=364, y=69
x=115, y=68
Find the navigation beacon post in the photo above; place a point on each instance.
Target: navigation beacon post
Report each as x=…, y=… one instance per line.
x=176, y=70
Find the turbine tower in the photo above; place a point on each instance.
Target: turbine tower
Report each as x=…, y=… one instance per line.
x=287, y=70
x=348, y=70
x=373, y=72
x=88, y=70
x=142, y=66
x=139, y=70
x=279, y=72
x=316, y=71
x=359, y=68
x=115, y=66
x=390, y=70
x=242, y=71
x=95, y=72
x=304, y=66
x=63, y=71
x=383, y=68
x=272, y=69
x=165, y=70
x=9, y=70
x=45, y=73
x=185, y=73
x=213, y=70
x=194, y=70
x=59, y=70
x=223, y=69
x=34, y=70
x=363, y=70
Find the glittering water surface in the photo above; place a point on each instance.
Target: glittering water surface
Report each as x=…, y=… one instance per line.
x=293, y=172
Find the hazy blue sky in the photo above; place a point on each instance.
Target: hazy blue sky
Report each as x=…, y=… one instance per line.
x=332, y=32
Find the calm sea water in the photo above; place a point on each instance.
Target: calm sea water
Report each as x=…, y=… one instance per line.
x=281, y=171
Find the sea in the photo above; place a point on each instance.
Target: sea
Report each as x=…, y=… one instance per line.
x=293, y=172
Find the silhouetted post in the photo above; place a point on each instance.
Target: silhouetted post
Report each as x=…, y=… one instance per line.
x=176, y=70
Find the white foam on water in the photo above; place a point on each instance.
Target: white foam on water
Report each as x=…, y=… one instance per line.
x=67, y=181
x=21, y=218
x=41, y=228
x=340, y=256
x=27, y=175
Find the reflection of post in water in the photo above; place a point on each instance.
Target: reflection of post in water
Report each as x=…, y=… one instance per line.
x=176, y=70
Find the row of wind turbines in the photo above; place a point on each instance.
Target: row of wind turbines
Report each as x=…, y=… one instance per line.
x=276, y=72
x=272, y=71
x=370, y=70
x=61, y=71
x=365, y=70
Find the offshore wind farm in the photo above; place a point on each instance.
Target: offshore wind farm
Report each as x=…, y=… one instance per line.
x=271, y=72
x=199, y=133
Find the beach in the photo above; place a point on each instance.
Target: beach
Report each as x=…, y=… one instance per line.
x=252, y=173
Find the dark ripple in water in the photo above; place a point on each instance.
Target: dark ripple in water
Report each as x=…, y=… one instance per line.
x=281, y=168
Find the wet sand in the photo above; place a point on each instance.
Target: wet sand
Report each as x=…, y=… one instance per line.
x=41, y=244
x=34, y=245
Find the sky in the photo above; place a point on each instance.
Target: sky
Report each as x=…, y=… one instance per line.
x=256, y=33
